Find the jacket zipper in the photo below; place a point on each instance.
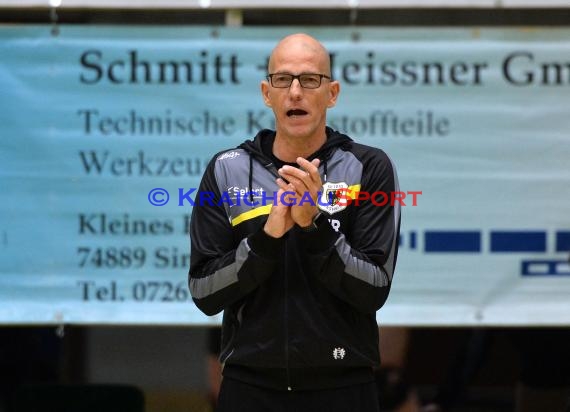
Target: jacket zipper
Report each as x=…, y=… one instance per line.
x=286, y=310
x=273, y=170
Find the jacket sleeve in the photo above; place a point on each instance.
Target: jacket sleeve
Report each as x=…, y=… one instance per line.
x=357, y=263
x=224, y=269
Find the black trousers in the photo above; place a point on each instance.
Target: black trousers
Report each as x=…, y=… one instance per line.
x=236, y=396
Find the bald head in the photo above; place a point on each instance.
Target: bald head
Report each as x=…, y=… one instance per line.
x=298, y=45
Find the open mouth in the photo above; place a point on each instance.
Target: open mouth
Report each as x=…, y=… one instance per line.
x=296, y=112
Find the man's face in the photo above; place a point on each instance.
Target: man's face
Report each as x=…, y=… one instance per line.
x=299, y=112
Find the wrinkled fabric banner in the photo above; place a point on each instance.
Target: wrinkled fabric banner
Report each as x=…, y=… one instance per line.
x=106, y=132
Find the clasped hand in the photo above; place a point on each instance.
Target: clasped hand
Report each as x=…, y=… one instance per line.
x=302, y=182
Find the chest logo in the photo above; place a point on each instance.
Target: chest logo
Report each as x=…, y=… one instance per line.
x=339, y=353
x=333, y=197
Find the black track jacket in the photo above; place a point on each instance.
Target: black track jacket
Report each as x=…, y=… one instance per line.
x=299, y=311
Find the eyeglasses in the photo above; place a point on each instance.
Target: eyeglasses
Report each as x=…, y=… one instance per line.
x=306, y=80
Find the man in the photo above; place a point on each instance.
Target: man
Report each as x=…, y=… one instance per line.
x=298, y=271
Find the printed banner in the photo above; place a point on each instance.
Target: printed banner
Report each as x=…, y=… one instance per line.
x=107, y=130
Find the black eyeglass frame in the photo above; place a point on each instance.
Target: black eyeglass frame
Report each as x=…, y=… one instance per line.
x=269, y=77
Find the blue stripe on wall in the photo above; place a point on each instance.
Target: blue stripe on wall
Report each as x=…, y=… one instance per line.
x=562, y=241
x=545, y=268
x=413, y=243
x=452, y=241
x=518, y=241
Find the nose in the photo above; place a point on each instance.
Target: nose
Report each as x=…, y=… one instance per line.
x=295, y=90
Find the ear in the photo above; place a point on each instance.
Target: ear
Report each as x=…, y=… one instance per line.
x=265, y=92
x=334, y=90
